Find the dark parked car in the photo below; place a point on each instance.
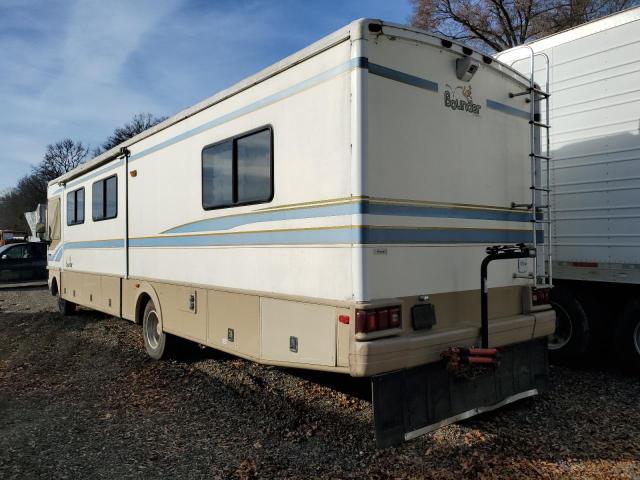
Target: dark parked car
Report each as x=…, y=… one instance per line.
x=22, y=262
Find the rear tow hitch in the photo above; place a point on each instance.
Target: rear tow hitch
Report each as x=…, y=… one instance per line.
x=470, y=361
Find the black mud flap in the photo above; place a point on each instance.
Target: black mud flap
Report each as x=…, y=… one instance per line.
x=409, y=403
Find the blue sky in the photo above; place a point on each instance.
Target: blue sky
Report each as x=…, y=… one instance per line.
x=81, y=68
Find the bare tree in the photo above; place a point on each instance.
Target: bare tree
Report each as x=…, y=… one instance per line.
x=138, y=124
x=495, y=25
x=59, y=158
x=30, y=190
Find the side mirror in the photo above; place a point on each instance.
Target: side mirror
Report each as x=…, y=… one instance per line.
x=40, y=228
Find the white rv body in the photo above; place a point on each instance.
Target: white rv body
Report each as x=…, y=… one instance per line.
x=594, y=80
x=383, y=192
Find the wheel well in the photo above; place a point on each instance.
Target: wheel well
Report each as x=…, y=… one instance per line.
x=54, y=287
x=143, y=299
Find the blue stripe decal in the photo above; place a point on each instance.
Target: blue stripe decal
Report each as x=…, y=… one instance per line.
x=402, y=77
x=357, y=208
x=508, y=109
x=348, y=235
x=57, y=254
x=118, y=243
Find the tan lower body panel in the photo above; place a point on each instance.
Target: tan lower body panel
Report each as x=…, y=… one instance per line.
x=306, y=334
x=99, y=292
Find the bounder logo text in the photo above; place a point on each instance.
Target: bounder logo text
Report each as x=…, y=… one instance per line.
x=460, y=98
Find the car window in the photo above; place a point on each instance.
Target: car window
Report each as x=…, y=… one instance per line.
x=38, y=250
x=17, y=252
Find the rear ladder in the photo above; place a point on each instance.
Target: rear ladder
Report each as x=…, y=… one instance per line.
x=540, y=206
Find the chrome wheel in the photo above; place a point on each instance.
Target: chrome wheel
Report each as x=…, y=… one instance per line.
x=152, y=331
x=636, y=338
x=564, y=329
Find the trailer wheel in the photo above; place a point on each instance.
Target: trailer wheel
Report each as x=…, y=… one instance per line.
x=66, y=307
x=628, y=336
x=571, y=337
x=156, y=342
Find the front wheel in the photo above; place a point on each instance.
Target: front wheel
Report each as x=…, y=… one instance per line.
x=628, y=336
x=156, y=342
x=65, y=306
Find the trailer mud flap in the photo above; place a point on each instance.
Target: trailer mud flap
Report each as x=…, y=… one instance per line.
x=409, y=403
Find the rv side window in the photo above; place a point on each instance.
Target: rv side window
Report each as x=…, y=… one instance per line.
x=217, y=175
x=104, y=198
x=238, y=171
x=75, y=207
x=254, y=167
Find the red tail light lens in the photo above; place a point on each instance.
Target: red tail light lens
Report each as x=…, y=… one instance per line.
x=383, y=319
x=372, y=322
x=361, y=321
x=378, y=319
x=540, y=296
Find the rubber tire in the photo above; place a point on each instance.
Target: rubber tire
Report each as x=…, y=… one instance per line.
x=565, y=303
x=66, y=307
x=165, y=340
x=624, y=344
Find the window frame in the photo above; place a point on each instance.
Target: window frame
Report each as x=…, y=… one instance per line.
x=234, y=168
x=75, y=206
x=104, y=199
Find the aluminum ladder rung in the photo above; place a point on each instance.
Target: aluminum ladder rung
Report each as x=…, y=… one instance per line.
x=540, y=221
x=528, y=91
x=543, y=157
x=539, y=124
x=539, y=189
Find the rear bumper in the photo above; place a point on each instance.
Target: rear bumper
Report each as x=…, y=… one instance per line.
x=419, y=348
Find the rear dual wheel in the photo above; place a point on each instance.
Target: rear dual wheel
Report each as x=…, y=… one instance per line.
x=627, y=337
x=570, y=340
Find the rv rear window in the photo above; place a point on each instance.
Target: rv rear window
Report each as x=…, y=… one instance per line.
x=75, y=207
x=238, y=171
x=104, y=198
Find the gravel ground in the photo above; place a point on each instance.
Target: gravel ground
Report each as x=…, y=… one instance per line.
x=80, y=399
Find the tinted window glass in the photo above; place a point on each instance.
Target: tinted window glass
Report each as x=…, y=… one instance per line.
x=254, y=167
x=238, y=171
x=104, y=198
x=217, y=175
x=75, y=207
x=111, y=197
x=38, y=250
x=80, y=205
x=71, y=208
x=17, y=252
x=97, y=199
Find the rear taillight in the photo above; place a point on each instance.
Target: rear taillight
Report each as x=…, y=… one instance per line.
x=379, y=319
x=540, y=296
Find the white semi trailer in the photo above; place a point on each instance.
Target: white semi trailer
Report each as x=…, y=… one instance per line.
x=594, y=81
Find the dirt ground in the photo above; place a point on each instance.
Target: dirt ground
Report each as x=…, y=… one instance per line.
x=80, y=399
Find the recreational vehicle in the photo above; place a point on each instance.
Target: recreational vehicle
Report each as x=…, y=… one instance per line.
x=338, y=211
x=593, y=74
